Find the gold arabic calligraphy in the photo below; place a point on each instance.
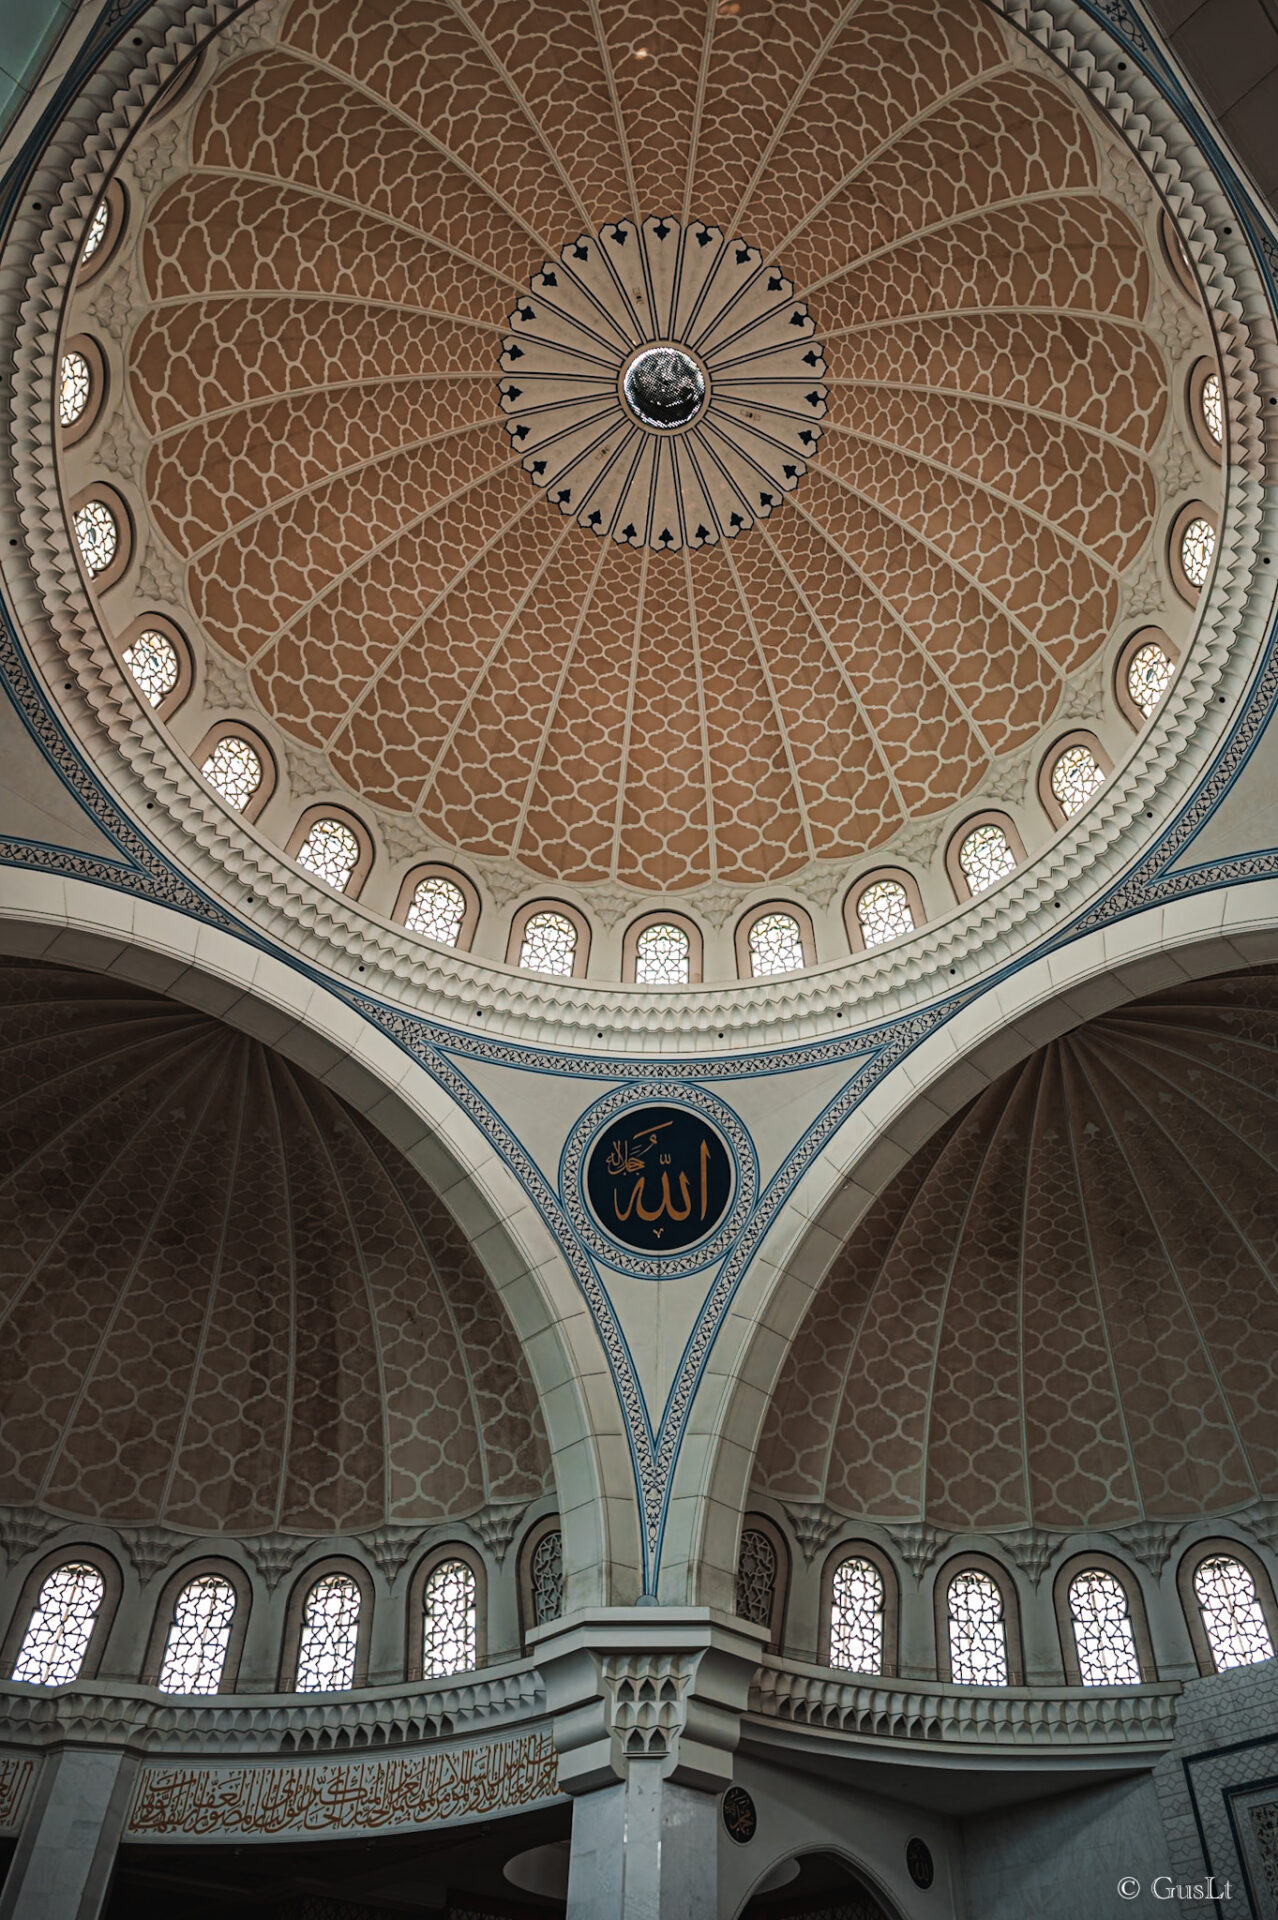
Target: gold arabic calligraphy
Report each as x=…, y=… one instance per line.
x=631, y=1156
x=336, y=1795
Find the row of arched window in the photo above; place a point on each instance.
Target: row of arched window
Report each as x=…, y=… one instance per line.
x=1226, y=1593
x=68, y=1605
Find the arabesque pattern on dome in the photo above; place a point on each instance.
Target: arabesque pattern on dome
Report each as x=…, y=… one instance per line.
x=227, y=1303
x=1062, y=1311
x=331, y=286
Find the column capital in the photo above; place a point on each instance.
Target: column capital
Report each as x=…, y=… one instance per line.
x=663, y=1684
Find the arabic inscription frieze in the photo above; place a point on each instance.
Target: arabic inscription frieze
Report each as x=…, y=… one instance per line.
x=15, y=1778
x=342, y=1796
x=659, y=1178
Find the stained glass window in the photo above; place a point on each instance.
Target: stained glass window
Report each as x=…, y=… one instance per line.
x=331, y=852
x=883, y=912
x=195, y=1652
x=978, y=1633
x=1197, y=545
x=1076, y=776
x=986, y=856
x=776, y=945
x=448, y=1620
x=97, y=231
x=61, y=1626
x=1233, y=1618
x=1103, y=1630
x=546, y=1578
x=152, y=661
x=856, y=1617
x=97, y=535
x=1149, y=675
x=756, y=1577
x=549, y=944
x=234, y=770
x=1212, y=402
x=75, y=384
x=438, y=910
x=330, y=1635
x=663, y=956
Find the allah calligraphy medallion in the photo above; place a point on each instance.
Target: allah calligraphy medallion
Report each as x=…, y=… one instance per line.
x=659, y=1179
x=662, y=384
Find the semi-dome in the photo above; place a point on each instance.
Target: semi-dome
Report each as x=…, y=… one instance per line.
x=229, y=1304
x=395, y=288
x=1062, y=1310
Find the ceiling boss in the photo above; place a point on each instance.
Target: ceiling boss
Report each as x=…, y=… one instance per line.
x=663, y=384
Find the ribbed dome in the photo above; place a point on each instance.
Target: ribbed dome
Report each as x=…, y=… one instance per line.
x=1064, y=1309
x=227, y=1302
x=375, y=202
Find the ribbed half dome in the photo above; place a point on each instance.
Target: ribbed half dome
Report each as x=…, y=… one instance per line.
x=227, y=1302
x=327, y=366
x=1065, y=1309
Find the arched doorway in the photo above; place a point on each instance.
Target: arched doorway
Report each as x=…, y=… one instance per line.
x=824, y=1888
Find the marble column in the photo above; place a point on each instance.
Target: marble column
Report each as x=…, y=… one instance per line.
x=62, y=1865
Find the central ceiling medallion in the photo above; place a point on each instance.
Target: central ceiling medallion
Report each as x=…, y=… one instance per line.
x=663, y=385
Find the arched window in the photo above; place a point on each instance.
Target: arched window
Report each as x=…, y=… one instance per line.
x=449, y=1619
x=97, y=231
x=1211, y=406
x=1104, y=1638
x=883, y=912
x=97, y=533
x=437, y=909
x=331, y=852
x=1197, y=545
x=775, y=944
x=977, y=1629
x=546, y=1577
x=1075, y=775
x=154, y=666
x=1231, y=1611
x=549, y=944
x=757, y=1572
x=233, y=769
x=985, y=856
x=61, y=1626
x=1149, y=674
x=857, y=1607
x=329, y=1639
x=663, y=956
x=199, y=1636
x=75, y=388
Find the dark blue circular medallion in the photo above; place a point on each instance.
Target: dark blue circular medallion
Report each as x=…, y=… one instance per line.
x=659, y=1179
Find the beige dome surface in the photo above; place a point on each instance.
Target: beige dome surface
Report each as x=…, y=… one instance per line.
x=1063, y=1310
x=228, y=1304
x=336, y=283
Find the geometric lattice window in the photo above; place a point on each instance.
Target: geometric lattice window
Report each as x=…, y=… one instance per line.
x=546, y=1578
x=549, y=944
x=1233, y=1618
x=153, y=665
x=756, y=1577
x=1149, y=675
x=1197, y=545
x=663, y=957
x=331, y=852
x=75, y=384
x=97, y=231
x=978, y=1633
x=195, y=1651
x=1076, y=776
x=448, y=1620
x=97, y=535
x=883, y=912
x=776, y=945
x=985, y=856
x=856, y=1617
x=1211, y=402
x=61, y=1625
x=234, y=770
x=438, y=909
x=1103, y=1634
x=330, y=1635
